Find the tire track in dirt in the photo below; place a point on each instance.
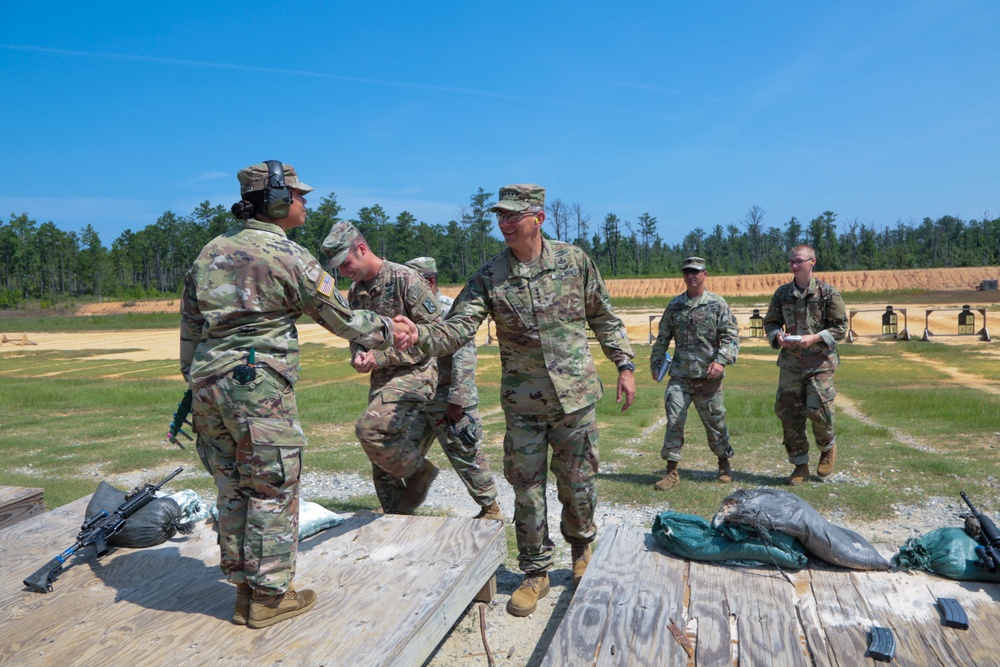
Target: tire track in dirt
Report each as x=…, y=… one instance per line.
x=851, y=409
x=956, y=376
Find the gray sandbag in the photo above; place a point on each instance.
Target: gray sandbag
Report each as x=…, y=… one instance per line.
x=767, y=509
x=692, y=537
x=949, y=552
x=153, y=524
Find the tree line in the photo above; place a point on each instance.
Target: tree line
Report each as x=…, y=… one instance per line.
x=41, y=261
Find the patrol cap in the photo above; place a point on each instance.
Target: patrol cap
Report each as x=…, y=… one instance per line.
x=425, y=266
x=254, y=177
x=338, y=242
x=695, y=263
x=519, y=197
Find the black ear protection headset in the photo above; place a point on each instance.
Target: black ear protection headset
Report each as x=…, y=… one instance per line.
x=277, y=198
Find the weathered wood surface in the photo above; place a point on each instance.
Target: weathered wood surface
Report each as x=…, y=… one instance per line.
x=18, y=503
x=389, y=587
x=819, y=616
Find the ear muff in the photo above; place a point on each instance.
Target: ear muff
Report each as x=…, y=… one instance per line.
x=277, y=198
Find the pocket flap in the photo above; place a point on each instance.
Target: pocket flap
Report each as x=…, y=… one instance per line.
x=276, y=432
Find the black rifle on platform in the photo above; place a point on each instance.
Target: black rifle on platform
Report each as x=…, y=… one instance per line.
x=96, y=530
x=984, y=530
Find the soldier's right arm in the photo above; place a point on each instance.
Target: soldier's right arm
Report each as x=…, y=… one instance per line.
x=774, y=320
x=664, y=335
x=460, y=326
x=316, y=290
x=191, y=324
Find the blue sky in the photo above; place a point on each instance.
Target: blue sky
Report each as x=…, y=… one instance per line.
x=879, y=111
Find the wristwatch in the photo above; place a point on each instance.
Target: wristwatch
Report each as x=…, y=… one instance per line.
x=627, y=366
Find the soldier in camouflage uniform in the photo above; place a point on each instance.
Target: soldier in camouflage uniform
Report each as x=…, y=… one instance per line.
x=240, y=357
x=401, y=381
x=707, y=340
x=814, y=310
x=454, y=409
x=542, y=294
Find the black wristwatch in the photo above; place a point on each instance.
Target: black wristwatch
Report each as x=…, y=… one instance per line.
x=627, y=366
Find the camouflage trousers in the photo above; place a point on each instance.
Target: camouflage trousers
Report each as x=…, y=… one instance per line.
x=468, y=461
x=801, y=396
x=707, y=398
x=573, y=440
x=390, y=431
x=250, y=440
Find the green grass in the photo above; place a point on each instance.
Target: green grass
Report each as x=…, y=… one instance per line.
x=68, y=419
x=124, y=321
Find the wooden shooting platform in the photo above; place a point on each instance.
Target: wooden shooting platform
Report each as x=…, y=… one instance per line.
x=633, y=589
x=389, y=588
x=18, y=503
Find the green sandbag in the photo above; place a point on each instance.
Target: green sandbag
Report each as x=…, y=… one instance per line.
x=949, y=552
x=694, y=538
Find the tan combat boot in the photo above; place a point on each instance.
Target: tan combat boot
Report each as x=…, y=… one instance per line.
x=490, y=513
x=725, y=472
x=266, y=609
x=826, y=459
x=581, y=559
x=671, y=479
x=417, y=486
x=241, y=612
x=799, y=475
x=525, y=599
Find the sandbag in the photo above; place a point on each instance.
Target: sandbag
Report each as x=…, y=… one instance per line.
x=694, y=538
x=767, y=510
x=949, y=552
x=313, y=518
x=153, y=524
x=192, y=507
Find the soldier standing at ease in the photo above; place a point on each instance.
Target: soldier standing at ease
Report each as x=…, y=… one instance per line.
x=240, y=357
x=401, y=382
x=455, y=406
x=542, y=294
x=707, y=340
x=814, y=311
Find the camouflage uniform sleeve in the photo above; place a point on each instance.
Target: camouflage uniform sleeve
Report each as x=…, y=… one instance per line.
x=835, y=319
x=774, y=320
x=422, y=308
x=729, y=338
x=470, y=309
x=664, y=335
x=191, y=325
x=462, y=390
x=316, y=290
x=608, y=327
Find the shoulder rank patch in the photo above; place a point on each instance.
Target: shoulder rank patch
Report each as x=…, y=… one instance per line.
x=326, y=284
x=430, y=305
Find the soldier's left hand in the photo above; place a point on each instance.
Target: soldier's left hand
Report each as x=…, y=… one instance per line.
x=454, y=412
x=364, y=362
x=715, y=370
x=626, y=386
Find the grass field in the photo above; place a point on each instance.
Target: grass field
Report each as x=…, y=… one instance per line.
x=68, y=420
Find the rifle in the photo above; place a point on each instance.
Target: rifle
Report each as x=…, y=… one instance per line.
x=180, y=418
x=96, y=530
x=987, y=533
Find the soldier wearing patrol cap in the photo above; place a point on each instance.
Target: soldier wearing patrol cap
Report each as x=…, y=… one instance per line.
x=401, y=382
x=453, y=413
x=542, y=295
x=706, y=341
x=240, y=357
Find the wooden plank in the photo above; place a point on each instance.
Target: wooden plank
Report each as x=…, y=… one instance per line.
x=767, y=626
x=389, y=589
x=709, y=608
x=18, y=503
x=620, y=612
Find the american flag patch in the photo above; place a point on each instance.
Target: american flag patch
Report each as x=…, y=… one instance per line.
x=325, y=284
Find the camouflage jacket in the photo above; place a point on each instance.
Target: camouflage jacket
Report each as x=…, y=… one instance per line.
x=703, y=329
x=398, y=290
x=819, y=309
x=246, y=289
x=456, y=373
x=541, y=313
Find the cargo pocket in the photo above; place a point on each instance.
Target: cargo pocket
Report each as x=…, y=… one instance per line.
x=276, y=460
